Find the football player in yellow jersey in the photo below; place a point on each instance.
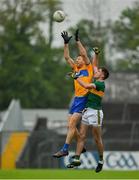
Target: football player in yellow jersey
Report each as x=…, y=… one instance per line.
x=85, y=69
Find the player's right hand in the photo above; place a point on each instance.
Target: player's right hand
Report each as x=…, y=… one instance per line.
x=65, y=36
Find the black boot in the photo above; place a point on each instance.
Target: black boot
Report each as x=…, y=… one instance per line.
x=99, y=166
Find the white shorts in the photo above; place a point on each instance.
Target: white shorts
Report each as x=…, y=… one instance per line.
x=92, y=117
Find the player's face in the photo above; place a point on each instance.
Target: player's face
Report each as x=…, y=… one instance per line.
x=99, y=74
x=79, y=61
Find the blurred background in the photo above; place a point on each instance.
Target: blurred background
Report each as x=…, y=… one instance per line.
x=35, y=92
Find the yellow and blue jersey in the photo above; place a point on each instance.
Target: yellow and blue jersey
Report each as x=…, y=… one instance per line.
x=86, y=75
x=79, y=102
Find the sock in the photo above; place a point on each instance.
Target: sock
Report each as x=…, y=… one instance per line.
x=101, y=157
x=77, y=157
x=65, y=147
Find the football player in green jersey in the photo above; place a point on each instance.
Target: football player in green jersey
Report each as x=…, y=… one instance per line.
x=92, y=116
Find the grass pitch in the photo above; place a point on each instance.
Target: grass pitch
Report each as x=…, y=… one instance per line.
x=67, y=174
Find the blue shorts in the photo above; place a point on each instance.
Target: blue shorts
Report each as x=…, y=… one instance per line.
x=78, y=104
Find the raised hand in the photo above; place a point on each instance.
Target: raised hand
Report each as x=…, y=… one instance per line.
x=96, y=50
x=65, y=36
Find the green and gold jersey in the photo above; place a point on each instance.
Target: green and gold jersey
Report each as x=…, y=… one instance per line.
x=95, y=95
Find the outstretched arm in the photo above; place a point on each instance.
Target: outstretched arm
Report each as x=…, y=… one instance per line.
x=67, y=38
x=81, y=48
x=69, y=60
x=86, y=85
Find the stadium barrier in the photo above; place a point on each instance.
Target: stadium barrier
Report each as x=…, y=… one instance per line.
x=36, y=149
x=114, y=160
x=120, y=135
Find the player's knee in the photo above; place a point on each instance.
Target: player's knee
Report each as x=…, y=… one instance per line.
x=72, y=126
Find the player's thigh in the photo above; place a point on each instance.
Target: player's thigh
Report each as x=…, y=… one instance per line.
x=74, y=119
x=69, y=116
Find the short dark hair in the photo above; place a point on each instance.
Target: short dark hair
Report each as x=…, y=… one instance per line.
x=105, y=72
